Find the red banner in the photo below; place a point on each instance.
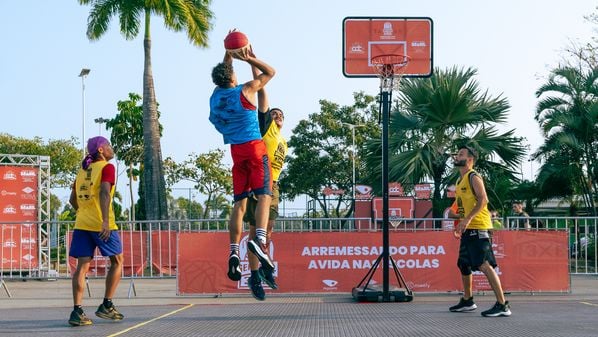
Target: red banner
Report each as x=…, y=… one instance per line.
x=336, y=262
x=18, y=203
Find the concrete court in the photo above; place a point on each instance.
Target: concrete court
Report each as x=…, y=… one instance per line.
x=41, y=308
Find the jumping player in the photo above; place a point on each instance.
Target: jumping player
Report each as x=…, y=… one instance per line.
x=233, y=113
x=271, y=121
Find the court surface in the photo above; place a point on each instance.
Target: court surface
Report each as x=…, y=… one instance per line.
x=155, y=312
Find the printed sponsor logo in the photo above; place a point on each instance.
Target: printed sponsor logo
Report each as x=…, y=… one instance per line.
x=29, y=196
x=7, y=261
x=27, y=173
x=5, y=193
x=356, y=48
x=28, y=257
x=9, y=209
x=330, y=283
x=423, y=285
x=9, y=175
x=27, y=207
x=28, y=190
x=9, y=244
x=387, y=32
x=27, y=240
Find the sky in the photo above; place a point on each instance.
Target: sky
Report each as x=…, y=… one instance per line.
x=513, y=44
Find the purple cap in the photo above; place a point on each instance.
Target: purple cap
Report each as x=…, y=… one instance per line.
x=93, y=144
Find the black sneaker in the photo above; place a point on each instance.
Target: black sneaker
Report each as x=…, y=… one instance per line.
x=234, y=271
x=261, y=251
x=268, y=277
x=464, y=305
x=498, y=310
x=256, y=288
x=78, y=318
x=109, y=313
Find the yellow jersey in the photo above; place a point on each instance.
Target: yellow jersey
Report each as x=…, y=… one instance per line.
x=276, y=146
x=89, y=213
x=467, y=200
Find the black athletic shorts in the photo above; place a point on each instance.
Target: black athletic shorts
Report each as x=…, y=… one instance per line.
x=475, y=248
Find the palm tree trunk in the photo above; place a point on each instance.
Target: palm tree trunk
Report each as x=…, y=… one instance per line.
x=155, y=186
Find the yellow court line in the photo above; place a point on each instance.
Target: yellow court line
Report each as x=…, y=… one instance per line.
x=588, y=303
x=151, y=320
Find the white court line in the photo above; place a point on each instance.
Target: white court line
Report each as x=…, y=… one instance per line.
x=151, y=320
x=588, y=303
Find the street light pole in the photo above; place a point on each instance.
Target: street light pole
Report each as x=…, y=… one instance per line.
x=101, y=121
x=84, y=72
x=352, y=127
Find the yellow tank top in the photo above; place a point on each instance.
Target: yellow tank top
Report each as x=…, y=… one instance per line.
x=276, y=146
x=89, y=213
x=466, y=201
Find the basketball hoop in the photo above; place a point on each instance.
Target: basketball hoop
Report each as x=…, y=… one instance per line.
x=395, y=222
x=390, y=69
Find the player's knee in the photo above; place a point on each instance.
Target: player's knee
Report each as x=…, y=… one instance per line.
x=485, y=267
x=116, y=260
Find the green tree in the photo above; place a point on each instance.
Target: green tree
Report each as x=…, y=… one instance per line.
x=322, y=155
x=184, y=209
x=568, y=116
x=191, y=15
x=434, y=115
x=65, y=157
x=206, y=171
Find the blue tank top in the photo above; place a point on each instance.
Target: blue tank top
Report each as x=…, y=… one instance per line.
x=236, y=124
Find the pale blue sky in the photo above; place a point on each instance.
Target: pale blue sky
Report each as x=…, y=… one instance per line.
x=512, y=43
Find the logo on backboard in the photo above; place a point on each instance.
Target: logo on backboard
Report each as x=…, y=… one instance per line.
x=387, y=32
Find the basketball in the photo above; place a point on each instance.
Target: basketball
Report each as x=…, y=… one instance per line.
x=235, y=40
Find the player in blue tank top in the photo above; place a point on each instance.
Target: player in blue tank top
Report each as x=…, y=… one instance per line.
x=233, y=112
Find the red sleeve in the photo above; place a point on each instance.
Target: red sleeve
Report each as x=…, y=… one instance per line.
x=109, y=174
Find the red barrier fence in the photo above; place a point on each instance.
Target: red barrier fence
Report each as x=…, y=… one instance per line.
x=136, y=254
x=337, y=261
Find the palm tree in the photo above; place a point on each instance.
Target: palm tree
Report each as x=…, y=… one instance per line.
x=191, y=15
x=568, y=116
x=435, y=114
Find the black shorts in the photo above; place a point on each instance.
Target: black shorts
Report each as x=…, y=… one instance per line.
x=474, y=250
x=249, y=215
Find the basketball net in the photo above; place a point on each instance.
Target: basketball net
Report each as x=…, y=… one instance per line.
x=390, y=69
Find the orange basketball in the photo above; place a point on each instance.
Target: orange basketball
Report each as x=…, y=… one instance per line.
x=235, y=40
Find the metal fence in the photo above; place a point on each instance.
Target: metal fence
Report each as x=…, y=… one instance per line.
x=40, y=249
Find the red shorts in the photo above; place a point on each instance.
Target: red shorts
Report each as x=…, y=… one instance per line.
x=251, y=169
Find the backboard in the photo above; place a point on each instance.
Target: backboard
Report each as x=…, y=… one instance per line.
x=367, y=37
